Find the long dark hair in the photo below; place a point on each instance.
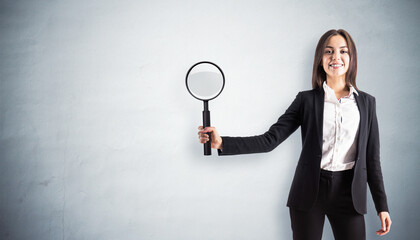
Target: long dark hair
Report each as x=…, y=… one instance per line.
x=318, y=73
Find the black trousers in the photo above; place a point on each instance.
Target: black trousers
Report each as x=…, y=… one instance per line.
x=334, y=200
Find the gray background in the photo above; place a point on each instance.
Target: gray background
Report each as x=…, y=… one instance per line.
x=98, y=134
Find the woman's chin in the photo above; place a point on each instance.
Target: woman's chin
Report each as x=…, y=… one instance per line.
x=336, y=74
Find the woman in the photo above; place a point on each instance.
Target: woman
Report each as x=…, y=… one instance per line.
x=340, y=147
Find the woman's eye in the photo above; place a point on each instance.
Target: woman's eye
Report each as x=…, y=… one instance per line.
x=344, y=51
x=328, y=51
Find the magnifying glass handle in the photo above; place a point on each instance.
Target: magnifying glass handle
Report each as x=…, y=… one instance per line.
x=206, y=123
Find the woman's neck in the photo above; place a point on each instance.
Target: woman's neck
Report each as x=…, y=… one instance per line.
x=339, y=86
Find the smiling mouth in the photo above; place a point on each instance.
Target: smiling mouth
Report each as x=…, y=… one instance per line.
x=335, y=66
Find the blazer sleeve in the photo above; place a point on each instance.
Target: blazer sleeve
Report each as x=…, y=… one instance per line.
x=277, y=133
x=373, y=164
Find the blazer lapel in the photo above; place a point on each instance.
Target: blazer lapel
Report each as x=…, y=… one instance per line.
x=319, y=115
x=362, y=110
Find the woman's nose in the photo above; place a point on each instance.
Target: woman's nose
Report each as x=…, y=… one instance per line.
x=336, y=56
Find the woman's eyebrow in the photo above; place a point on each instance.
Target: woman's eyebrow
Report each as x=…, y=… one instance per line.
x=332, y=47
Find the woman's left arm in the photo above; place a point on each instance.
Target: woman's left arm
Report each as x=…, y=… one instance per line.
x=374, y=172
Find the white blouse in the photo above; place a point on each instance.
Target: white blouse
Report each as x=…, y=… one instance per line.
x=340, y=130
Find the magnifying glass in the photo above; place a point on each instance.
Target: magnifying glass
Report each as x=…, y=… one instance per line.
x=205, y=81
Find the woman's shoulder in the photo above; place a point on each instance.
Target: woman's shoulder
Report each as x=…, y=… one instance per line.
x=369, y=99
x=310, y=93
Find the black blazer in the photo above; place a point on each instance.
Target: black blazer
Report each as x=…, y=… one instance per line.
x=307, y=111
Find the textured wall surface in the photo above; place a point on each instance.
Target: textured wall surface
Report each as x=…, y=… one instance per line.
x=98, y=134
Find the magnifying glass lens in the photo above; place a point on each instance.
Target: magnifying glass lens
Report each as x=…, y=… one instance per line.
x=205, y=81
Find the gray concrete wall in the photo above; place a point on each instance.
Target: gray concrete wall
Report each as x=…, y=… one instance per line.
x=98, y=135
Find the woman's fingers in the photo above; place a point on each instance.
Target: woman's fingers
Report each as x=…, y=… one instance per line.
x=206, y=129
x=202, y=135
x=203, y=139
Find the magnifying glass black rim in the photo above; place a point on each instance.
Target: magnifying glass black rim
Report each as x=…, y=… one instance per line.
x=188, y=73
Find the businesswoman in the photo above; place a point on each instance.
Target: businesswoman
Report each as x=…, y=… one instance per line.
x=340, y=147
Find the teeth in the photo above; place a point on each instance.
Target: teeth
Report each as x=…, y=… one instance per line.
x=336, y=65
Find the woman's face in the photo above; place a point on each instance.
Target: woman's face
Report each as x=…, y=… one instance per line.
x=336, y=59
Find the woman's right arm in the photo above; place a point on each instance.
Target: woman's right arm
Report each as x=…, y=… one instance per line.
x=278, y=132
